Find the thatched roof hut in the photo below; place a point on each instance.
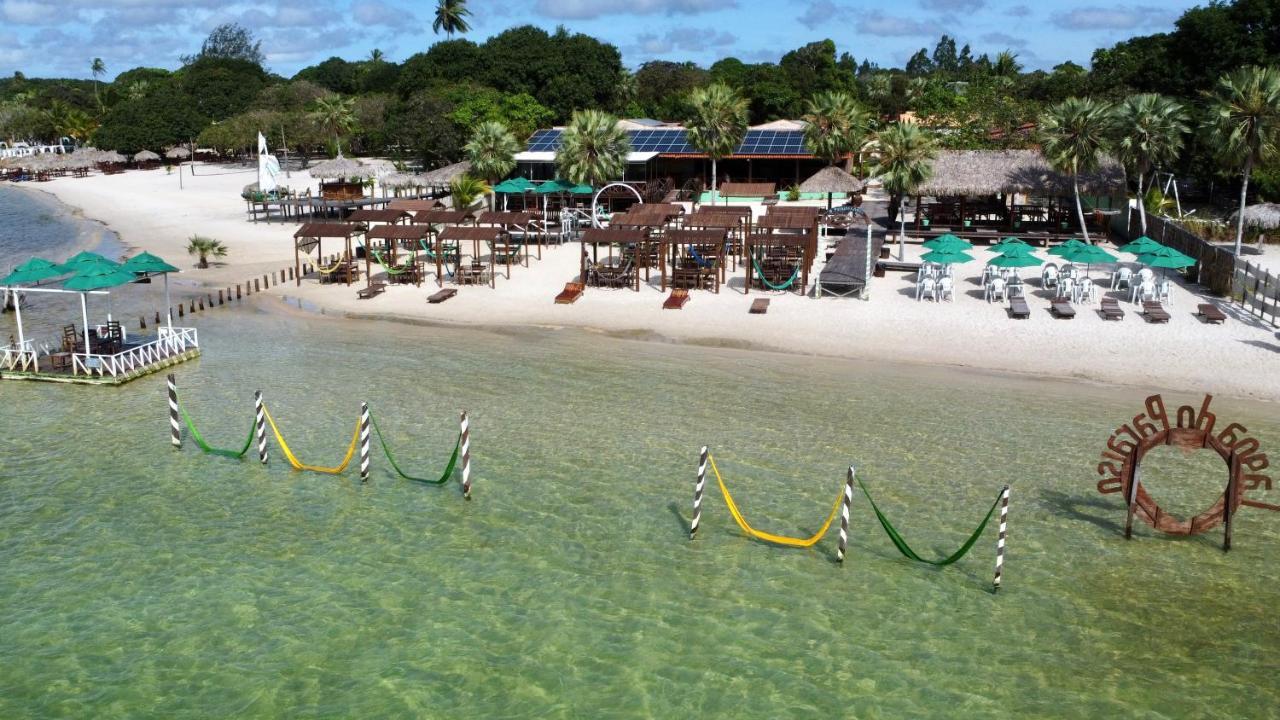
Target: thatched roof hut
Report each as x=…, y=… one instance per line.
x=111, y=156
x=440, y=177
x=341, y=167
x=145, y=156
x=178, y=153
x=402, y=180
x=991, y=172
x=1263, y=216
x=379, y=167
x=831, y=179
x=82, y=158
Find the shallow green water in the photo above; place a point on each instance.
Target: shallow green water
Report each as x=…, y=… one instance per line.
x=142, y=582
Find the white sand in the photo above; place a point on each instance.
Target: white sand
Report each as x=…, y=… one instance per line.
x=1239, y=358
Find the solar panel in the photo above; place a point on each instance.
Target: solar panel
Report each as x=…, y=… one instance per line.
x=667, y=141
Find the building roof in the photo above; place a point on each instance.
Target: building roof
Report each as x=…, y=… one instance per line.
x=989, y=172
x=673, y=141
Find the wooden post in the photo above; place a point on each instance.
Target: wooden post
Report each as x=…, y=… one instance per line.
x=180, y=310
x=175, y=428
x=1000, y=539
x=157, y=318
x=364, y=442
x=260, y=426
x=142, y=322
x=202, y=304
x=844, y=515
x=256, y=286
x=466, y=454
x=698, y=486
x=219, y=296
x=237, y=291
x=192, y=309
x=1131, y=500
x=1229, y=497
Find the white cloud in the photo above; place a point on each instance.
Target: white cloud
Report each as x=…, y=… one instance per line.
x=1119, y=17
x=26, y=12
x=376, y=12
x=878, y=23
x=584, y=9
x=954, y=5
x=685, y=40
x=1018, y=11
x=820, y=12
x=1004, y=40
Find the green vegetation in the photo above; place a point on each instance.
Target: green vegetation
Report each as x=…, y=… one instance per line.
x=205, y=248
x=593, y=149
x=717, y=123
x=1073, y=134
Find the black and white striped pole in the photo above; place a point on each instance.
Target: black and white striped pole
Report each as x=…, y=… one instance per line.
x=844, y=515
x=175, y=428
x=1004, y=527
x=698, y=487
x=466, y=454
x=260, y=426
x=364, y=442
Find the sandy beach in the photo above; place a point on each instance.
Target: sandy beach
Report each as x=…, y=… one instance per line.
x=151, y=212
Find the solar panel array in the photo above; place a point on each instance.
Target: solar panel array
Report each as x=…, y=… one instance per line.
x=668, y=141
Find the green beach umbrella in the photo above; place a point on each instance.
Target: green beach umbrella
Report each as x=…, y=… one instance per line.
x=80, y=259
x=947, y=257
x=32, y=271
x=1141, y=246
x=555, y=186
x=147, y=263
x=1088, y=254
x=1166, y=257
x=1009, y=243
x=1015, y=260
x=98, y=275
x=1066, y=247
x=948, y=242
x=514, y=185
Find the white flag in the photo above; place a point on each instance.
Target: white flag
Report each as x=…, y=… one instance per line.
x=268, y=167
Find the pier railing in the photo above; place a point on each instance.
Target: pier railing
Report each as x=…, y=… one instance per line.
x=18, y=357
x=170, y=342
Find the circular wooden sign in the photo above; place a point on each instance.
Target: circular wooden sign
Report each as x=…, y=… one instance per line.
x=1191, y=429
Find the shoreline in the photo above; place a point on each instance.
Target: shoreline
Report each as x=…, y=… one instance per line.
x=968, y=334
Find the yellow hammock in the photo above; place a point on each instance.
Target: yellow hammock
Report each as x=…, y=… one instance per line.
x=299, y=465
x=769, y=537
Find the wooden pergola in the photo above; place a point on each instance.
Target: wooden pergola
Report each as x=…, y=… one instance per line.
x=496, y=238
x=389, y=216
x=735, y=219
x=793, y=221
x=413, y=206
x=783, y=259
x=635, y=245
x=312, y=234
x=748, y=189
x=415, y=236
x=523, y=222
x=697, y=258
x=442, y=217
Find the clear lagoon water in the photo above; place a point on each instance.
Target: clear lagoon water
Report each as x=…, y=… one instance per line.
x=143, y=581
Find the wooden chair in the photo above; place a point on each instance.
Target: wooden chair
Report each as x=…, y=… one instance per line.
x=374, y=288
x=677, y=300
x=1018, y=309
x=1154, y=312
x=1211, y=313
x=1062, y=310
x=441, y=295
x=572, y=291
x=1111, y=309
x=759, y=306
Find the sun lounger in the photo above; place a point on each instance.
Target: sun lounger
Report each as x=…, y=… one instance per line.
x=374, y=288
x=441, y=295
x=1111, y=309
x=1212, y=313
x=572, y=291
x=1018, y=309
x=1062, y=310
x=759, y=306
x=1154, y=312
x=679, y=297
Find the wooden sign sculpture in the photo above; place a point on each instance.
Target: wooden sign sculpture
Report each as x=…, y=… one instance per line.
x=1192, y=429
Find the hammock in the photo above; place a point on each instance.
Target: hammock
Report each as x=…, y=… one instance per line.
x=784, y=286
x=392, y=270
x=769, y=537
x=906, y=550
x=206, y=447
x=697, y=257
x=448, y=471
x=299, y=465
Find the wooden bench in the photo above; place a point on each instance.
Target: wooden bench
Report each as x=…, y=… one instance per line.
x=677, y=300
x=759, y=306
x=1211, y=313
x=1062, y=310
x=1154, y=312
x=883, y=266
x=572, y=291
x=374, y=288
x=1111, y=309
x=441, y=295
x=1018, y=309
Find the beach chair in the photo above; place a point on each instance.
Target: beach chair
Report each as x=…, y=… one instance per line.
x=441, y=295
x=71, y=342
x=996, y=289
x=927, y=288
x=1018, y=309
x=1111, y=309
x=677, y=300
x=1211, y=313
x=572, y=291
x=946, y=289
x=371, y=290
x=759, y=306
x=1154, y=312
x=1121, y=279
x=1049, y=276
x=1062, y=310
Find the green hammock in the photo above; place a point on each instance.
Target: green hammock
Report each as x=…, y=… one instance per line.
x=206, y=447
x=906, y=550
x=784, y=286
x=448, y=471
x=377, y=257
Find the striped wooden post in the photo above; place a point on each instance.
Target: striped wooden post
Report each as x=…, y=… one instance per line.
x=1004, y=527
x=698, y=487
x=260, y=426
x=844, y=515
x=466, y=455
x=364, y=442
x=175, y=428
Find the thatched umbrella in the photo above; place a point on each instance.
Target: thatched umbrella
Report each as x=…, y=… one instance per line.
x=440, y=177
x=1263, y=216
x=178, y=153
x=831, y=180
x=379, y=167
x=145, y=156
x=341, y=167
x=111, y=156
x=82, y=158
x=400, y=181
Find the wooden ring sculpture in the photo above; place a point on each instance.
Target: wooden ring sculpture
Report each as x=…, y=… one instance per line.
x=1120, y=466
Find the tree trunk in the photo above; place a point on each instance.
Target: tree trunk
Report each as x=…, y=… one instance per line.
x=1244, y=193
x=1142, y=205
x=204, y=262
x=714, y=186
x=902, y=233
x=1075, y=183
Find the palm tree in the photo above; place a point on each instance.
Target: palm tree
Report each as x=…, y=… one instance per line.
x=717, y=123
x=451, y=17
x=464, y=190
x=492, y=151
x=904, y=163
x=835, y=126
x=1072, y=135
x=1244, y=121
x=205, y=248
x=1006, y=65
x=97, y=67
x=1150, y=130
x=376, y=56
x=334, y=114
x=593, y=149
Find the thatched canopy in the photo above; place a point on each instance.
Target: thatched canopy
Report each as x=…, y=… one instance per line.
x=178, y=153
x=831, y=179
x=379, y=167
x=111, y=156
x=145, y=156
x=1263, y=216
x=441, y=177
x=990, y=172
x=402, y=180
x=341, y=167
x=82, y=158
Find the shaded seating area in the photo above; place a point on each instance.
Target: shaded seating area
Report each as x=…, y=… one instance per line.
x=413, y=205
x=384, y=245
x=697, y=259
x=624, y=256
x=484, y=242
x=522, y=227
x=782, y=249
x=389, y=216
x=746, y=191
x=735, y=220
x=311, y=236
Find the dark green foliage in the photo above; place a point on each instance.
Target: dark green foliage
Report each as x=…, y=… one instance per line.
x=163, y=118
x=222, y=87
x=335, y=74
x=662, y=87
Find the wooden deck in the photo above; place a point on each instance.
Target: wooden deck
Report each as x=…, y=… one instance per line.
x=849, y=269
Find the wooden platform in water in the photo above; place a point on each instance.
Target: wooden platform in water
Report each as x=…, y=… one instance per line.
x=69, y=379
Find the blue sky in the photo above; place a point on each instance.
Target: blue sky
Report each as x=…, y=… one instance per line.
x=59, y=37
